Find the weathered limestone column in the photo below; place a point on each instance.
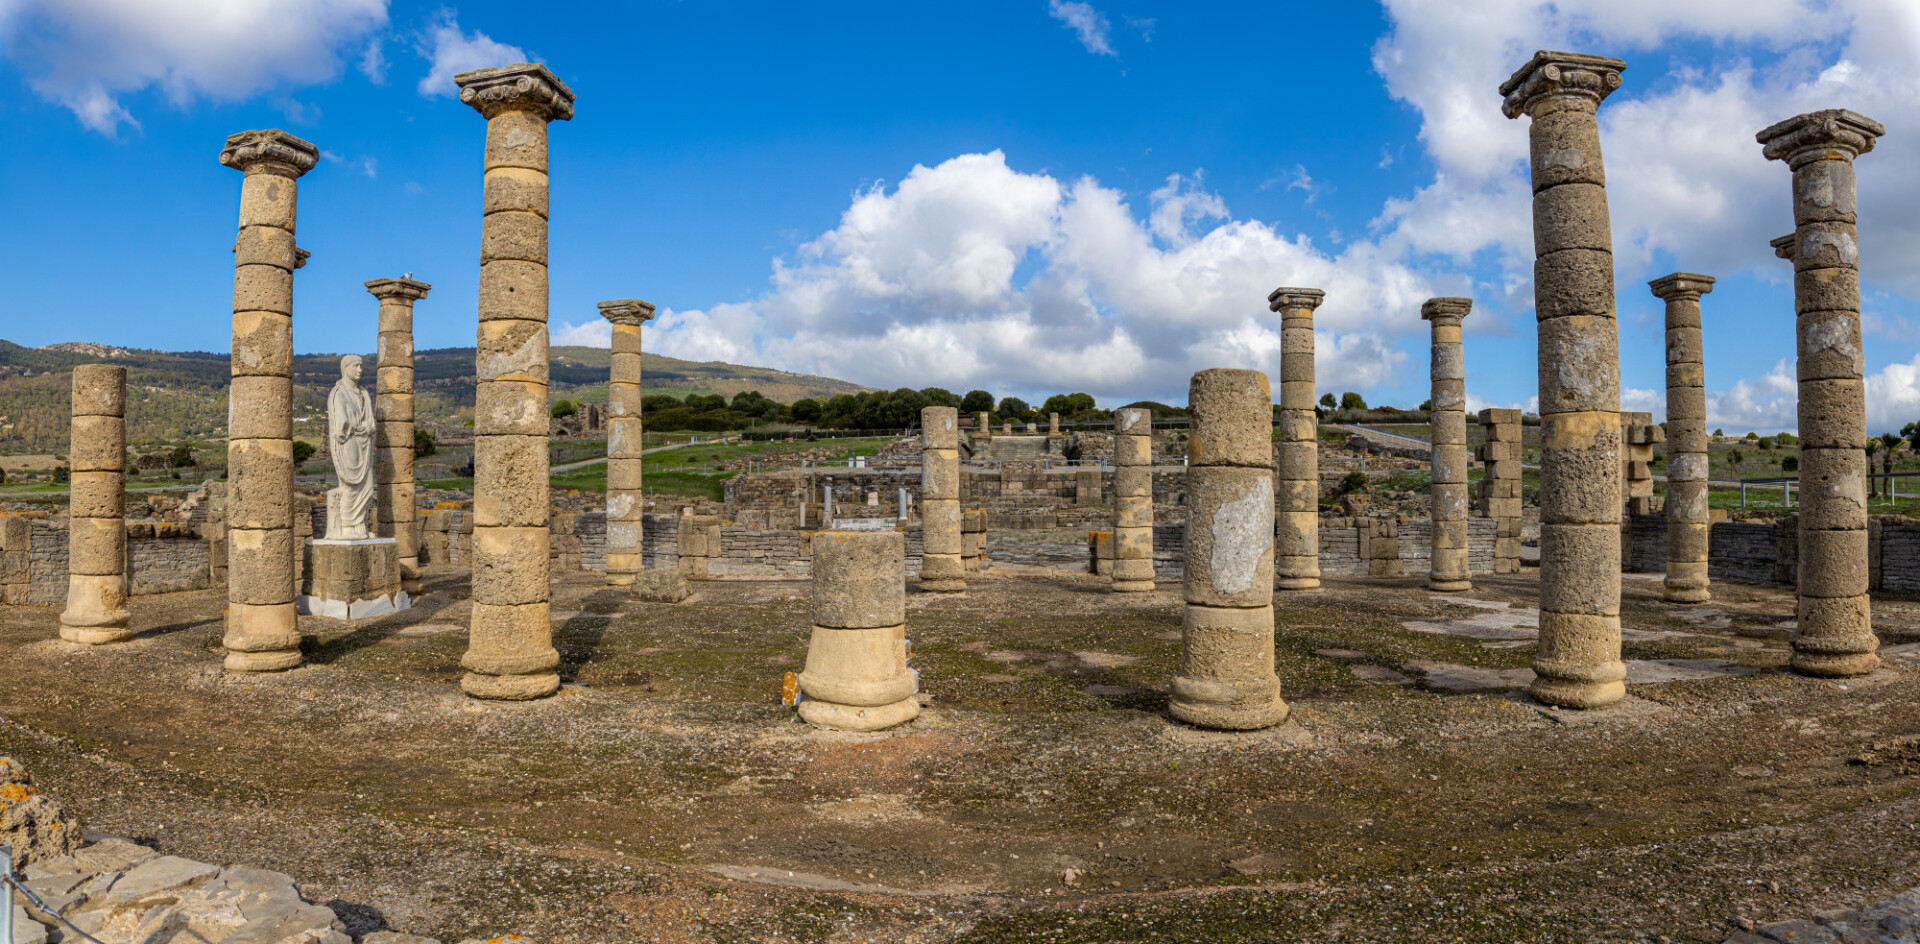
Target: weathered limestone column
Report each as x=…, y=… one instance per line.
x=261, y=632
x=1500, y=487
x=1835, y=637
x=393, y=411
x=1447, y=572
x=941, y=570
x=626, y=501
x=510, y=650
x=1226, y=675
x=1688, y=524
x=1577, y=663
x=1296, y=563
x=1132, y=501
x=96, y=610
x=856, y=677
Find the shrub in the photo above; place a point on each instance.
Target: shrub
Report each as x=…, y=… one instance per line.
x=564, y=408
x=423, y=444
x=302, y=451
x=182, y=456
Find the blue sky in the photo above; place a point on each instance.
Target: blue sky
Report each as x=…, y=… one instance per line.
x=1029, y=196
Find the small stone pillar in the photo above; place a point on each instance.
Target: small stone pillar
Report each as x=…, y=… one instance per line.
x=982, y=430
x=940, y=546
x=626, y=501
x=393, y=411
x=1638, y=436
x=1835, y=637
x=510, y=652
x=1688, y=524
x=1577, y=664
x=1226, y=677
x=1296, y=563
x=96, y=610
x=856, y=677
x=973, y=541
x=1500, y=487
x=261, y=633
x=1132, y=501
x=1447, y=571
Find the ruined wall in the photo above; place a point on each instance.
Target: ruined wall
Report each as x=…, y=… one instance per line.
x=162, y=557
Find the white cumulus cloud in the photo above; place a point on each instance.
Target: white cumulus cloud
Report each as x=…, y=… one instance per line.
x=450, y=51
x=1090, y=25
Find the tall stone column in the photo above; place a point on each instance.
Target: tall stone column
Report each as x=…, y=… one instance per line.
x=393, y=411
x=856, y=678
x=1835, y=637
x=96, y=610
x=1226, y=675
x=1132, y=501
x=1688, y=523
x=626, y=501
x=941, y=570
x=1577, y=663
x=1447, y=570
x=1296, y=563
x=261, y=632
x=510, y=650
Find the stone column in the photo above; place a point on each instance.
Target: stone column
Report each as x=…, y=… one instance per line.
x=1296, y=563
x=1500, y=487
x=393, y=410
x=510, y=650
x=1226, y=677
x=626, y=501
x=856, y=677
x=1132, y=501
x=1688, y=523
x=96, y=610
x=1447, y=572
x=940, y=568
x=1577, y=663
x=1835, y=637
x=261, y=632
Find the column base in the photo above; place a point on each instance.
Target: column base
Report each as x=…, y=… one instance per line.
x=1223, y=717
x=1682, y=593
x=943, y=585
x=1296, y=583
x=1133, y=586
x=1834, y=664
x=510, y=687
x=1576, y=693
x=95, y=635
x=278, y=661
x=1439, y=584
x=826, y=714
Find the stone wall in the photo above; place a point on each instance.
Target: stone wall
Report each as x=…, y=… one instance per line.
x=1898, y=561
x=1738, y=550
x=162, y=557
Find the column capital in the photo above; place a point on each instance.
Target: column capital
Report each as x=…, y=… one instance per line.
x=1560, y=75
x=271, y=151
x=1445, y=309
x=405, y=287
x=627, y=311
x=1783, y=245
x=1686, y=285
x=1833, y=134
x=1286, y=299
x=519, y=87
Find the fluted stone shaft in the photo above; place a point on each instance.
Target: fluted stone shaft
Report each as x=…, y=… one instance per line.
x=1132, y=501
x=1835, y=635
x=626, y=501
x=1226, y=678
x=393, y=413
x=261, y=632
x=1296, y=562
x=510, y=652
x=856, y=678
x=1447, y=570
x=1577, y=664
x=941, y=569
x=1688, y=520
x=96, y=610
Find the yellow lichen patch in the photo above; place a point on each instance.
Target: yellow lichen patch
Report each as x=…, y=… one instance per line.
x=16, y=792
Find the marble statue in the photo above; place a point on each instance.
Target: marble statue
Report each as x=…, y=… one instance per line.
x=350, y=436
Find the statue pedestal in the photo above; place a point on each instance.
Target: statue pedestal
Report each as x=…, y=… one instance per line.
x=352, y=580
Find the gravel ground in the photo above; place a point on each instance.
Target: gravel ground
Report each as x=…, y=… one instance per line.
x=1044, y=795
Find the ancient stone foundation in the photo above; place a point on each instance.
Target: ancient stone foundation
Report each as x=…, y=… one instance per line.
x=510, y=651
x=1296, y=564
x=1132, y=501
x=1835, y=635
x=1447, y=571
x=1500, y=488
x=856, y=678
x=698, y=543
x=96, y=610
x=941, y=570
x=393, y=411
x=262, y=550
x=1638, y=435
x=1577, y=664
x=626, y=499
x=973, y=541
x=1688, y=519
x=1226, y=677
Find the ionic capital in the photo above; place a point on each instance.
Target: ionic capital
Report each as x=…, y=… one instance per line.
x=1293, y=299
x=1560, y=75
x=1683, y=285
x=1445, y=309
x=406, y=287
x=520, y=87
x=1833, y=134
x=627, y=311
x=271, y=151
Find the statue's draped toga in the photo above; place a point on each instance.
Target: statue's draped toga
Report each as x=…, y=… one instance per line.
x=350, y=436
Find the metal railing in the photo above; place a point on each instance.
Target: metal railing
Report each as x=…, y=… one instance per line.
x=11, y=882
x=1789, y=485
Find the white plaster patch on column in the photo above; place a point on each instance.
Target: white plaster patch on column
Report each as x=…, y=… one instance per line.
x=1842, y=243
x=1242, y=533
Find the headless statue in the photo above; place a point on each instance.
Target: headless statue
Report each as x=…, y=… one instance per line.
x=350, y=436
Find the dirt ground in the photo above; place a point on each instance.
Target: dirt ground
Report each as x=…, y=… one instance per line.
x=1044, y=794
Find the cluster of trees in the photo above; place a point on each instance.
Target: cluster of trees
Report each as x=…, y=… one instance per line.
x=711, y=412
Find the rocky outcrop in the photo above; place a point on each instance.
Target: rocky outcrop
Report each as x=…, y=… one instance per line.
x=34, y=824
